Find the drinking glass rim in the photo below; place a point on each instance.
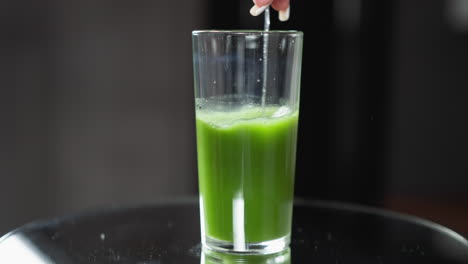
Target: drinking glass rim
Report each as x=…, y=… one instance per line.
x=247, y=32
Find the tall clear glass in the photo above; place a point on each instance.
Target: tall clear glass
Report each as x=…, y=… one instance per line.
x=247, y=102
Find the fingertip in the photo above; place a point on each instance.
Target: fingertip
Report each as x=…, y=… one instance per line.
x=256, y=10
x=283, y=15
x=279, y=5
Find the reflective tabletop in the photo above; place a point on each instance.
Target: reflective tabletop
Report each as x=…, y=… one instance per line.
x=168, y=233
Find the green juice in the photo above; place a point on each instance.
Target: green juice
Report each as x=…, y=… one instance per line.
x=246, y=162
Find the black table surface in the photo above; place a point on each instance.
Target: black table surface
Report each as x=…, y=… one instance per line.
x=168, y=233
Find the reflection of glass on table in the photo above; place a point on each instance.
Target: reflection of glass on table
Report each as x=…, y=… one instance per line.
x=215, y=257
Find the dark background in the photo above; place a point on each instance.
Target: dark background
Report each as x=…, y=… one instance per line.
x=97, y=103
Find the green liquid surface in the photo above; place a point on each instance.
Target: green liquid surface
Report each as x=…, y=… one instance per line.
x=247, y=157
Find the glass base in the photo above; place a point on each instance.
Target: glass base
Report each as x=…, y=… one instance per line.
x=261, y=248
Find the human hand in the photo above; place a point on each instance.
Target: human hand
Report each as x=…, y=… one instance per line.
x=282, y=6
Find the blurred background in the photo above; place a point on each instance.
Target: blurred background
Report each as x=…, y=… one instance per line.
x=97, y=103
